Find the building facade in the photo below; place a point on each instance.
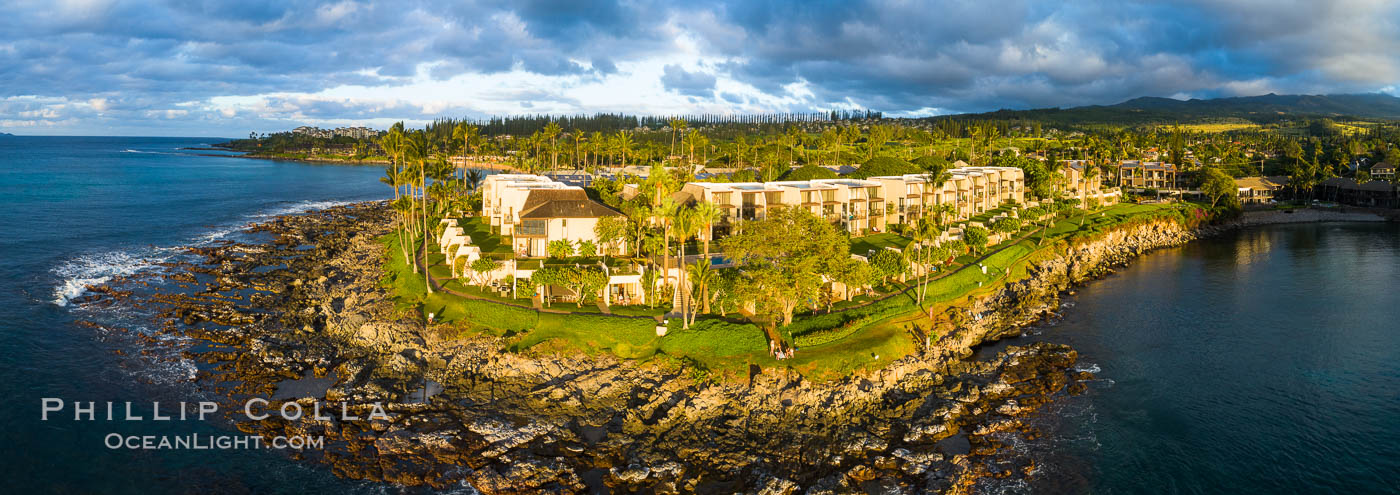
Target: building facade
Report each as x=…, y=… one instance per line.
x=534, y=210
x=1137, y=174
x=862, y=206
x=1259, y=190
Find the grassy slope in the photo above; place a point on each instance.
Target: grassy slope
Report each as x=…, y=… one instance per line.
x=726, y=349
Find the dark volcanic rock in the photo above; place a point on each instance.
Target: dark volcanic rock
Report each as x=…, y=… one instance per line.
x=510, y=423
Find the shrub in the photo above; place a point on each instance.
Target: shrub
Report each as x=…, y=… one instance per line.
x=975, y=237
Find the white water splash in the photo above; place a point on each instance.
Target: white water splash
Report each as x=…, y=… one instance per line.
x=76, y=274
x=300, y=207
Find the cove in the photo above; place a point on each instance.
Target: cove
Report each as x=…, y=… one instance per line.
x=1263, y=360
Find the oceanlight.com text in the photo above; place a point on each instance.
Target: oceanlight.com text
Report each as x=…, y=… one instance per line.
x=211, y=442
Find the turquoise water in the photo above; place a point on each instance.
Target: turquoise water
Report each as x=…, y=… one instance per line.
x=1265, y=361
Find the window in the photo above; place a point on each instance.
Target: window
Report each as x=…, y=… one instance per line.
x=532, y=227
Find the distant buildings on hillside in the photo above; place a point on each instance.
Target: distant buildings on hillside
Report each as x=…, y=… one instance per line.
x=352, y=132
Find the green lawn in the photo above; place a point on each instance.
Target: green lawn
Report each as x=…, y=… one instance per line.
x=864, y=245
x=482, y=237
x=860, y=337
x=987, y=215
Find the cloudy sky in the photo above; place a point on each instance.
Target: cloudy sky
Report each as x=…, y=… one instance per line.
x=224, y=68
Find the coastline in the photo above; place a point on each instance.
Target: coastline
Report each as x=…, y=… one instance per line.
x=1311, y=215
x=324, y=161
x=546, y=422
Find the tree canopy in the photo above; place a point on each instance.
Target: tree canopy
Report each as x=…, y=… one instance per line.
x=884, y=165
x=782, y=259
x=809, y=172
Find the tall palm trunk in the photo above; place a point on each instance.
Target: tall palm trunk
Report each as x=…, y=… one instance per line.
x=423, y=193
x=680, y=286
x=705, y=284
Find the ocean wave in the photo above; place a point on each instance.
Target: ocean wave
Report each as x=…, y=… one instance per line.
x=76, y=274
x=301, y=207
x=1088, y=368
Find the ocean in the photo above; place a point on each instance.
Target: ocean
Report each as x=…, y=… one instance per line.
x=81, y=210
x=1266, y=361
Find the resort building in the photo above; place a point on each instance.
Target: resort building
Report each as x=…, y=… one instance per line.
x=859, y=206
x=1259, y=190
x=1376, y=193
x=533, y=211
x=970, y=191
x=1136, y=174
x=1383, y=171
x=1084, y=185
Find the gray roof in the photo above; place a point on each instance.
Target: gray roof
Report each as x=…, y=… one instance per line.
x=563, y=203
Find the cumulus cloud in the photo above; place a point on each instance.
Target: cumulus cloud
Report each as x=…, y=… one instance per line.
x=225, y=66
x=676, y=78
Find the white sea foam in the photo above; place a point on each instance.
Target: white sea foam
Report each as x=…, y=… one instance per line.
x=96, y=268
x=300, y=207
x=1091, y=368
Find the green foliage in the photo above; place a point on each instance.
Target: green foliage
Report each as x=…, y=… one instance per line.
x=714, y=337
x=821, y=329
x=1007, y=225
x=611, y=231
x=587, y=248
x=809, y=172
x=1221, y=189
x=884, y=165
x=583, y=281
x=783, y=258
x=888, y=263
x=930, y=162
x=976, y=237
x=560, y=248
x=1040, y=179
x=483, y=266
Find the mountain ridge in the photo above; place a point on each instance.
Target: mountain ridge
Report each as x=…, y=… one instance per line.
x=1261, y=108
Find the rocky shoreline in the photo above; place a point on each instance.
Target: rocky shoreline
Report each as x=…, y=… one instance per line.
x=307, y=308
x=1307, y=215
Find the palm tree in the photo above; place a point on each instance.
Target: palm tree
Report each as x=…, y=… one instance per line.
x=707, y=214
x=404, y=207
x=551, y=131
x=683, y=226
x=597, y=143
x=473, y=177
x=701, y=275
x=1091, y=173
x=665, y=211
x=677, y=125
x=419, y=146
x=624, y=144
x=468, y=134
x=926, y=232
